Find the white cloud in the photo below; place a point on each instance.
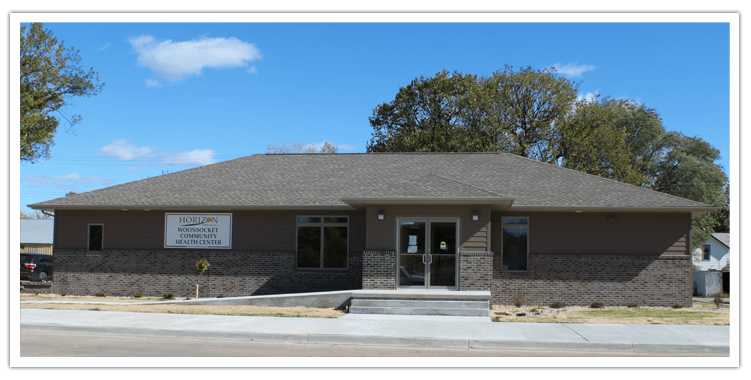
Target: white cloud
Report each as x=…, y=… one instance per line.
x=69, y=179
x=588, y=97
x=124, y=150
x=152, y=83
x=571, y=70
x=307, y=148
x=174, y=60
x=191, y=157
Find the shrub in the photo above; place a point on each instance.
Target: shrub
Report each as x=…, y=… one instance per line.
x=557, y=305
x=100, y=294
x=519, y=300
x=168, y=296
x=717, y=300
x=676, y=306
x=138, y=295
x=596, y=305
x=632, y=305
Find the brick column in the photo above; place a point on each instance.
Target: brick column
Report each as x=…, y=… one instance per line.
x=475, y=270
x=378, y=269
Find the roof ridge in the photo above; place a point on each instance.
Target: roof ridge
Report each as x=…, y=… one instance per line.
x=465, y=184
x=548, y=164
x=372, y=153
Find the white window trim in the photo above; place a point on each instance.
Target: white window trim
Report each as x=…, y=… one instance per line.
x=527, y=253
x=88, y=236
x=321, y=224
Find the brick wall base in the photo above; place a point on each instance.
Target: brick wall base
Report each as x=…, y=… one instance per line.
x=579, y=279
x=160, y=272
x=378, y=269
x=475, y=270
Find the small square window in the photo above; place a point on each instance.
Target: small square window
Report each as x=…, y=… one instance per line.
x=706, y=252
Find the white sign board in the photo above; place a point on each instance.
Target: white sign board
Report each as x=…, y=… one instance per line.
x=202, y=231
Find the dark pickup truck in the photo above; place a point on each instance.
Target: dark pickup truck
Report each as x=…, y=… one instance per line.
x=36, y=267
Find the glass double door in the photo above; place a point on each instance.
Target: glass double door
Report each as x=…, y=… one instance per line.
x=427, y=252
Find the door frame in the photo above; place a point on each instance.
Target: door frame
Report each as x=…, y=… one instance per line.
x=428, y=249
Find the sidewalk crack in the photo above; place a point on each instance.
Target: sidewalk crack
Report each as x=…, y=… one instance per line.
x=577, y=333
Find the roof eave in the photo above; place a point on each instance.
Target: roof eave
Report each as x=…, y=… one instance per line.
x=419, y=201
x=684, y=209
x=189, y=208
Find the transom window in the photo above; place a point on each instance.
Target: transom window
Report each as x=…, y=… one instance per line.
x=515, y=242
x=322, y=242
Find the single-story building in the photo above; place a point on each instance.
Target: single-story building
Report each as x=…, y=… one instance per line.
x=37, y=236
x=712, y=266
x=311, y=222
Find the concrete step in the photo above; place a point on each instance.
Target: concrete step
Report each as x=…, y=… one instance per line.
x=411, y=294
x=411, y=303
x=463, y=312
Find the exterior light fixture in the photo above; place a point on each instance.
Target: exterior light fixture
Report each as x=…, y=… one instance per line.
x=475, y=215
x=381, y=215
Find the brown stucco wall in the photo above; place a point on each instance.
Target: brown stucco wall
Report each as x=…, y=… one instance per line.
x=251, y=230
x=601, y=233
x=381, y=234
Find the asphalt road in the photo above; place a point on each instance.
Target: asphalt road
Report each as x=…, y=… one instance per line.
x=61, y=342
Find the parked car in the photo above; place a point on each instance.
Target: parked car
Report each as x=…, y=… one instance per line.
x=36, y=267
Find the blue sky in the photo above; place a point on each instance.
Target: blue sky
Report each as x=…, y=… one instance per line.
x=182, y=95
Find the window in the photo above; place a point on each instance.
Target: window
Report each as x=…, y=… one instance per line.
x=707, y=252
x=322, y=242
x=515, y=242
x=95, y=237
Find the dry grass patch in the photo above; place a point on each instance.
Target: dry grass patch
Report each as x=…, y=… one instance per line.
x=699, y=314
x=57, y=297
x=246, y=310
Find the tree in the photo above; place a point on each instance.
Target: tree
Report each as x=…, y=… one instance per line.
x=36, y=214
x=50, y=74
x=590, y=141
x=509, y=111
x=688, y=170
x=429, y=115
x=325, y=147
x=525, y=107
x=534, y=113
x=202, y=265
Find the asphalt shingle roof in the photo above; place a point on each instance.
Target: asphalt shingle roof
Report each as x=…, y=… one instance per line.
x=328, y=180
x=722, y=237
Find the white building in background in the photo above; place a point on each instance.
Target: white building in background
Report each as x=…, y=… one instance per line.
x=712, y=266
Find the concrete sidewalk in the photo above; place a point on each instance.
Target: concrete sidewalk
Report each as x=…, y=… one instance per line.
x=473, y=333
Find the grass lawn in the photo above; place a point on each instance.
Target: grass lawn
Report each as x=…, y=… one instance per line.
x=246, y=310
x=699, y=314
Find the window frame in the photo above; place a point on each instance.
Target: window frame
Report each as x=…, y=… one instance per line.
x=527, y=251
x=321, y=251
x=706, y=252
x=88, y=237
